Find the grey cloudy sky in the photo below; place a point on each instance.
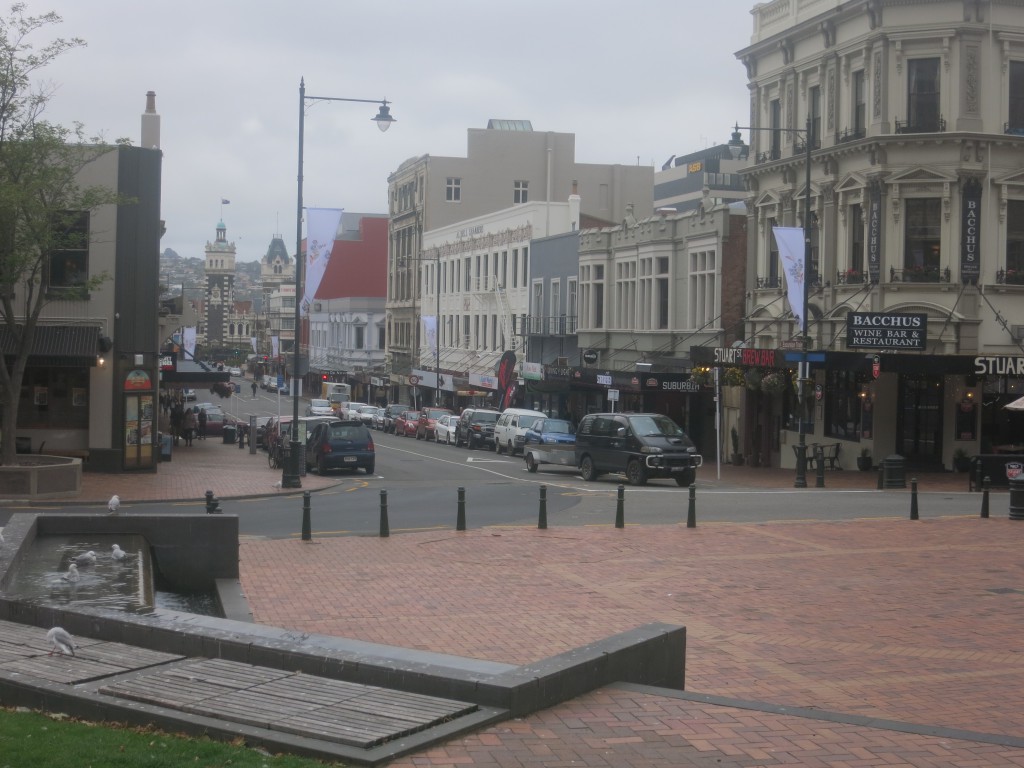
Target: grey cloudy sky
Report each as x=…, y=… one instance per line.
x=636, y=83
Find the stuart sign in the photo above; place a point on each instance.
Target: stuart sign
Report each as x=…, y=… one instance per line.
x=884, y=330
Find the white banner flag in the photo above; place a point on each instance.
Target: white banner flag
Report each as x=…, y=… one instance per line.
x=321, y=229
x=188, y=342
x=430, y=332
x=252, y=340
x=791, y=254
x=273, y=346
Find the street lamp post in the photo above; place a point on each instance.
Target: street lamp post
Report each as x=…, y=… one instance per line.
x=803, y=371
x=291, y=475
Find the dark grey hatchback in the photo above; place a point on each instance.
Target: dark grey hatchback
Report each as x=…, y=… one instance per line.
x=340, y=445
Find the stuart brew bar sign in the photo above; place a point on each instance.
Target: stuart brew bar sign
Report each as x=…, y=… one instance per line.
x=883, y=330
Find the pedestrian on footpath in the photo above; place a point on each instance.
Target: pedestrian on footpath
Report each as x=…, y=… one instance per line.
x=189, y=426
x=254, y=389
x=201, y=421
x=177, y=421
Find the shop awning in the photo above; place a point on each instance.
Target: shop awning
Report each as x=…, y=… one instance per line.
x=57, y=345
x=193, y=375
x=1016, y=405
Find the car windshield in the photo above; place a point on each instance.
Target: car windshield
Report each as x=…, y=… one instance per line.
x=319, y=404
x=485, y=417
x=653, y=426
x=347, y=432
x=558, y=425
x=435, y=413
x=368, y=409
x=528, y=421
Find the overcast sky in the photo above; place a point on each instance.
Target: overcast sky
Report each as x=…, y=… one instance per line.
x=635, y=83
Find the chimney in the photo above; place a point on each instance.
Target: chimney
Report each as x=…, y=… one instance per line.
x=150, y=123
x=574, y=207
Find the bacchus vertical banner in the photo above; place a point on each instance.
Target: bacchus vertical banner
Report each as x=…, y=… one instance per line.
x=970, y=255
x=875, y=231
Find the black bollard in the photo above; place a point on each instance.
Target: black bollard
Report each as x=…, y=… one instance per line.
x=212, y=504
x=691, y=510
x=385, y=531
x=620, y=508
x=307, y=530
x=460, y=521
x=819, y=459
x=913, y=498
x=985, y=484
x=881, y=478
x=542, y=518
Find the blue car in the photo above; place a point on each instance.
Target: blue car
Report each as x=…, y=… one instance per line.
x=549, y=441
x=334, y=445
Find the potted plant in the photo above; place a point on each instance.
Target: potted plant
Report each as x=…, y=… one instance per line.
x=961, y=460
x=864, y=460
x=737, y=457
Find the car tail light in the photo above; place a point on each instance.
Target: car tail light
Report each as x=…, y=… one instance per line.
x=325, y=448
x=369, y=446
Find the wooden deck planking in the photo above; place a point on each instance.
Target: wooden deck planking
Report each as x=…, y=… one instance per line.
x=322, y=690
x=60, y=669
x=229, y=674
x=126, y=656
x=164, y=692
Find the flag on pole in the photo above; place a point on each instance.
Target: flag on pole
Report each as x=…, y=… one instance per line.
x=430, y=332
x=252, y=340
x=791, y=253
x=225, y=201
x=273, y=345
x=188, y=342
x=321, y=229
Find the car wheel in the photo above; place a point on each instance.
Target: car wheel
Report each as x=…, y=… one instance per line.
x=321, y=469
x=635, y=473
x=369, y=469
x=510, y=447
x=587, y=469
x=531, y=463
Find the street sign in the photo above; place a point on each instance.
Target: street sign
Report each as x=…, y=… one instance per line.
x=613, y=395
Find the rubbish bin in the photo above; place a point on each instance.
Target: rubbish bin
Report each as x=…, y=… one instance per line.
x=894, y=473
x=166, y=440
x=229, y=434
x=1017, y=498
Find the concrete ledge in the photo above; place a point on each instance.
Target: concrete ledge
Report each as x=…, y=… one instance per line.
x=41, y=477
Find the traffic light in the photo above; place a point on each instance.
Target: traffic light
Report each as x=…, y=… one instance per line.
x=323, y=377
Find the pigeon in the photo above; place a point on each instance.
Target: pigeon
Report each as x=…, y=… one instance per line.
x=114, y=505
x=86, y=558
x=61, y=641
x=117, y=553
x=72, y=574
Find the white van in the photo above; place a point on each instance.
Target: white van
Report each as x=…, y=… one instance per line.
x=510, y=429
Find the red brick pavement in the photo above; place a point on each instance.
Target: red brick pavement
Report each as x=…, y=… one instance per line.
x=910, y=621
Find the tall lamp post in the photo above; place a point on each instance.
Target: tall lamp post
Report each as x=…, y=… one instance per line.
x=803, y=371
x=291, y=476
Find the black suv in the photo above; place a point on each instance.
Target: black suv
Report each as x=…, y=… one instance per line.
x=643, y=445
x=475, y=428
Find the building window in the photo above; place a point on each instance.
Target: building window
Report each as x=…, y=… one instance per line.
x=360, y=337
x=597, y=315
x=843, y=406
x=856, y=260
x=815, y=117
x=69, y=259
x=775, y=124
x=555, y=299
x=1015, y=241
x=453, y=190
x=771, y=279
x=859, y=105
x=1016, y=105
x=625, y=294
x=537, y=306
x=570, y=305
x=702, y=309
x=923, y=243
x=923, y=95
x=519, y=192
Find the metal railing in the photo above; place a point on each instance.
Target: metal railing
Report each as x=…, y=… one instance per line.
x=919, y=275
x=925, y=126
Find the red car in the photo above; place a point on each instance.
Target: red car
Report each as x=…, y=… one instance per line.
x=405, y=423
x=426, y=428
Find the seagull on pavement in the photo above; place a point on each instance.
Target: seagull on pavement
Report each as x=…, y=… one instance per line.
x=114, y=505
x=117, y=553
x=86, y=558
x=72, y=575
x=61, y=641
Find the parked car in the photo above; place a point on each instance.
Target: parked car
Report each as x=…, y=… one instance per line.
x=391, y=412
x=236, y=371
x=188, y=394
x=510, y=429
x=426, y=428
x=549, y=441
x=319, y=407
x=475, y=428
x=350, y=410
x=261, y=430
x=216, y=418
x=444, y=429
x=406, y=422
x=364, y=413
x=340, y=444
x=642, y=445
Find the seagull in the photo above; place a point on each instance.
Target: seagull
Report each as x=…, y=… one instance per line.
x=86, y=558
x=72, y=574
x=277, y=485
x=114, y=505
x=61, y=641
x=117, y=553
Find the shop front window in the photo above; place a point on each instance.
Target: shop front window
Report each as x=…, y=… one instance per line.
x=844, y=406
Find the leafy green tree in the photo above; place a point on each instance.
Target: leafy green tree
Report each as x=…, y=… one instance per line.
x=41, y=203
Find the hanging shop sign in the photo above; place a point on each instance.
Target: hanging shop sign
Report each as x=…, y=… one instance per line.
x=970, y=262
x=886, y=330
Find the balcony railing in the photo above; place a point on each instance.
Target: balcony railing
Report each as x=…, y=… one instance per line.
x=1013, y=129
x=800, y=147
x=555, y=325
x=919, y=275
x=851, y=277
x=1010, y=277
x=769, y=156
x=776, y=281
x=925, y=126
x=850, y=134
